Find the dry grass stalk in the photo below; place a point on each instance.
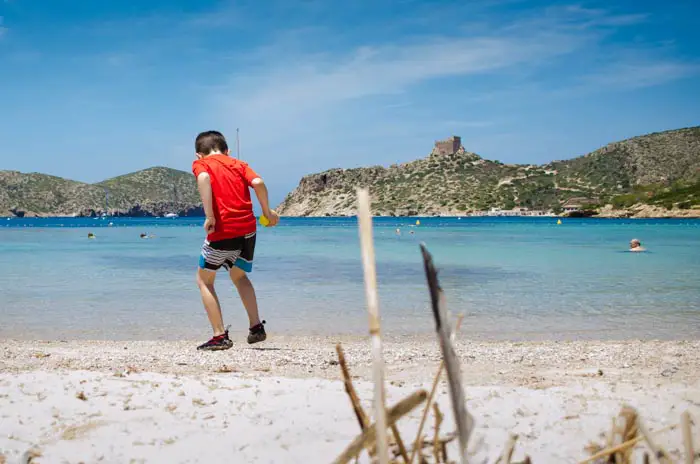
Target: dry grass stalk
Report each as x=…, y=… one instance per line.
x=428, y=404
x=687, y=438
x=507, y=455
x=368, y=263
x=418, y=448
x=29, y=456
x=626, y=430
x=436, y=435
x=399, y=443
x=350, y=389
x=623, y=446
x=658, y=452
x=224, y=369
x=611, y=437
x=369, y=436
x=443, y=448
x=462, y=417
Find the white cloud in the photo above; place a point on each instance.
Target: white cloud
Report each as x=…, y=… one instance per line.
x=388, y=69
x=639, y=74
x=287, y=85
x=347, y=107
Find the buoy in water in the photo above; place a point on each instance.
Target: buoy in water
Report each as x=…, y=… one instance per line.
x=558, y=221
x=418, y=222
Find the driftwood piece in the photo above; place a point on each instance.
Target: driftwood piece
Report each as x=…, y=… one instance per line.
x=623, y=446
x=687, y=438
x=369, y=436
x=462, y=417
x=433, y=390
x=370, y=275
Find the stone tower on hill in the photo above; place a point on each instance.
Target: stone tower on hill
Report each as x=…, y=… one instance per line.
x=448, y=146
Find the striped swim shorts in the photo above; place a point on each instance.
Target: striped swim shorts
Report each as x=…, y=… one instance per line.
x=228, y=253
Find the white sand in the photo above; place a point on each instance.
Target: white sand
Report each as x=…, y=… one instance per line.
x=202, y=416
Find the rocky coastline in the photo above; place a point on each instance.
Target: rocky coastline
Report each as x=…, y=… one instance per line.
x=150, y=209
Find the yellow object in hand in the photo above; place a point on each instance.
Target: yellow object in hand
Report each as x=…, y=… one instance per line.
x=264, y=221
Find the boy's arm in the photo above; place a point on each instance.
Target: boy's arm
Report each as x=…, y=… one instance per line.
x=204, y=187
x=261, y=192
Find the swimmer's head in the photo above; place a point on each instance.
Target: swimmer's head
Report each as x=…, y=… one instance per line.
x=634, y=243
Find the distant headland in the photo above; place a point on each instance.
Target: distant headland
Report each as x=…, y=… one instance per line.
x=653, y=175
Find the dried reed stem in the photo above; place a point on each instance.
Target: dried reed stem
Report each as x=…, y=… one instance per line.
x=508, y=451
x=369, y=437
x=436, y=435
x=368, y=263
x=399, y=443
x=659, y=453
x=428, y=404
x=462, y=418
x=687, y=438
x=350, y=389
x=628, y=429
x=623, y=446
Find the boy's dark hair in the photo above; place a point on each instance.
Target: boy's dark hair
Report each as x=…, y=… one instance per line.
x=210, y=141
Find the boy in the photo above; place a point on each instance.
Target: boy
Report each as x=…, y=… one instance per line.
x=223, y=184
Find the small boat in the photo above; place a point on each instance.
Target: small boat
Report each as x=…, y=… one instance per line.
x=171, y=215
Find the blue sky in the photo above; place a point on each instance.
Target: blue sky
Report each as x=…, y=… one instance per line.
x=89, y=90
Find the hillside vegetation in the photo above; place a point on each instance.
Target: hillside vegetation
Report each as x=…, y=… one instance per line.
x=151, y=192
x=665, y=165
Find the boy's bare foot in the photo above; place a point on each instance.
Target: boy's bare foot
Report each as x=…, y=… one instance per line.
x=218, y=343
x=257, y=333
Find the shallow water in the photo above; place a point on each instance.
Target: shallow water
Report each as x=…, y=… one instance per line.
x=515, y=278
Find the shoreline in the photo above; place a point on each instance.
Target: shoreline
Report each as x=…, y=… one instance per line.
x=283, y=401
x=490, y=362
x=603, y=214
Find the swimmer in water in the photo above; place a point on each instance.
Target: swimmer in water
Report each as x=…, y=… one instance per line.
x=636, y=245
x=91, y=235
x=398, y=232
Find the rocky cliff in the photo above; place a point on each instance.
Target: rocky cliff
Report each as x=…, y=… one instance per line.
x=151, y=192
x=459, y=183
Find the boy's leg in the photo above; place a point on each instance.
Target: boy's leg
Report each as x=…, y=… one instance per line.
x=205, y=282
x=247, y=294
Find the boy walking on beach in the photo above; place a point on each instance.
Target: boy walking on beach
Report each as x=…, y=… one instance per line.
x=224, y=184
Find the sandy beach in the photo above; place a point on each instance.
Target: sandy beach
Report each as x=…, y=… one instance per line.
x=104, y=401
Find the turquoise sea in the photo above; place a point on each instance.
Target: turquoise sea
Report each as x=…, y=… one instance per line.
x=515, y=278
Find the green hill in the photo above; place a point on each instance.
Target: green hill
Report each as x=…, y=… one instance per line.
x=463, y=182
x=151, y=192
x=156, y=184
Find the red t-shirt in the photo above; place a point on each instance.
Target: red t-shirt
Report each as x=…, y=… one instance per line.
x=230, y=183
